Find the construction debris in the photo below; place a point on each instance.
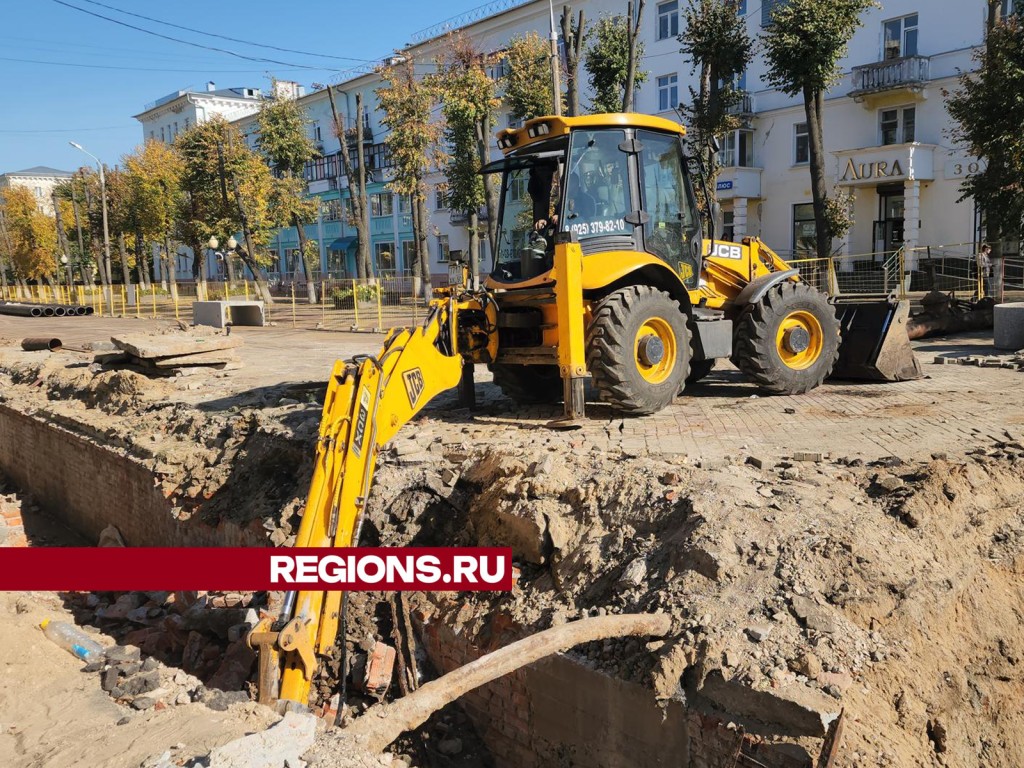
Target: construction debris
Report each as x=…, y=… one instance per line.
x=162, y=355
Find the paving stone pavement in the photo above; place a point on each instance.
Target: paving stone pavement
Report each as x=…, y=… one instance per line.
x=953, y=409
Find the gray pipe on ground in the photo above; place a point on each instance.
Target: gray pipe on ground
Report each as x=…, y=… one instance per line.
x=21, y=310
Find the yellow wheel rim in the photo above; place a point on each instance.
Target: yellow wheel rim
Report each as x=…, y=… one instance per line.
x=799, y=340
x=655, y=350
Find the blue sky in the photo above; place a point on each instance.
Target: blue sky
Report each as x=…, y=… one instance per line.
x=46, y=105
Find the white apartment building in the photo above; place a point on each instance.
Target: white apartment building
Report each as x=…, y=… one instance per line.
x=40, y=180
x=166, y=117
x=887, y=134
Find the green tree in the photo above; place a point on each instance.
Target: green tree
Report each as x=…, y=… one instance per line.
x=226, y=187
x=803, y=46
x=122, y=215
x=154, y=171
x=608, y=63
x=286, y=146
x=411, y=141
x=527, y=81
x=469, y=104
x=715, y=39
x=988, y=114
x=30, y=234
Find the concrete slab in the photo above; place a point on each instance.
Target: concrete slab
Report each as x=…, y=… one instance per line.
x=234, y=311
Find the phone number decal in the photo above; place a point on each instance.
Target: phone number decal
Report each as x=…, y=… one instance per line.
x=606, y=227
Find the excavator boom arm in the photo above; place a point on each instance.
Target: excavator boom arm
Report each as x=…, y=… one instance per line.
x=368, y=400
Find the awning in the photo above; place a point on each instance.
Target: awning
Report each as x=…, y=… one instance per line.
x=341, y=243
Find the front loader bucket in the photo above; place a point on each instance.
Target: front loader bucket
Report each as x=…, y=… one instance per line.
x=874, y=344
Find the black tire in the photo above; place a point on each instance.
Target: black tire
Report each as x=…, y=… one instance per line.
x=699, y=369
x=528, y=384
x=768, y=360
x=622, y=376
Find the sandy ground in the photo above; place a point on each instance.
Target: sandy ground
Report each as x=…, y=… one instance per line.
x=53, y=715
x=877, y=600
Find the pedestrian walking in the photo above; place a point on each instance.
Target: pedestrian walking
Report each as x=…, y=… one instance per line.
x=985, y=269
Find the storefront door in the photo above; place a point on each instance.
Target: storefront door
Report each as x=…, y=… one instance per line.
x=889, y=227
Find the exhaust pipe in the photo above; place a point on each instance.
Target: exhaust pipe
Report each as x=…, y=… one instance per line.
x=40, y=344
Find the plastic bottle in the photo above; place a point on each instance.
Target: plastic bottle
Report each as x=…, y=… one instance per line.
x=72, y=639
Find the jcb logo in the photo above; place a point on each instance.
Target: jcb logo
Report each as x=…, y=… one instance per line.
x=726, y=251
x=413, y=385
x=685, y=271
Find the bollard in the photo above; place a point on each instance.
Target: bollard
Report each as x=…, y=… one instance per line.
x=153, y=293
x=138, y=305
x=293, y=304
x=323, y=305
x=380, y=317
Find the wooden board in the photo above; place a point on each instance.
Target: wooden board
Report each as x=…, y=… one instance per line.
x=151, y=347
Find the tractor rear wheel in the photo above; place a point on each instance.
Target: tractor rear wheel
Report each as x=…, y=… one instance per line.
x=788, y=342
x=638, y=349
x=528, y=384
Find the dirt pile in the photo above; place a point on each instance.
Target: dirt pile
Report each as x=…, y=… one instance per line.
x=798, y=588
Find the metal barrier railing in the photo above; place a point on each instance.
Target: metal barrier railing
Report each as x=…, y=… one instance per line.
x=949, y=268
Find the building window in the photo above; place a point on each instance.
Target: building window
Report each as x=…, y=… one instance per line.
x=1006, y=8
x=175, y=129
x=499, y=68
x=316, y=133
x=804, y=238
x=162, y=137
x=404, y=204
x=384, y=258
x=767, y=9
x=152, y=135
x=897, y=125
x=332, y=210
x=377, y=156
x=668, y=92
x=187, y=120
x=737, y=150
x=441, y=195
x=382, y=204
x=39, y=191
x=729, y=226
x=514, y=123
x=408, y=256
x=443, y=250
x=899, y=37
x=519, y=187
x=668, y=20
x=321, y=168
x=801, y=144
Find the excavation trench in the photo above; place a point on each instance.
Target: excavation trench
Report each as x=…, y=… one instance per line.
x=797, y=589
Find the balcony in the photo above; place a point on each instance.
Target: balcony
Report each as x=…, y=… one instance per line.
x=908, y=74
x=744, y=106
x=738, y=182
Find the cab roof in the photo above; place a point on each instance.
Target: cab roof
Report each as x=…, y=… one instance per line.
x=551, y=126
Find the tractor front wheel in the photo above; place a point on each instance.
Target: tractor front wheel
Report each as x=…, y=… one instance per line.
x=638, y=349
x=788, y=342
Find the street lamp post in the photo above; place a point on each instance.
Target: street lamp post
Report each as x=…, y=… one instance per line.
x=103, y=196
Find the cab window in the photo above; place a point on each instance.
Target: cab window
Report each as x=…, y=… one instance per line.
x=670, y=226
x=597, y=190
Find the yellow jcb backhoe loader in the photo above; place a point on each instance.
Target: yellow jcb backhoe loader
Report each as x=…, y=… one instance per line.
x=603, y=270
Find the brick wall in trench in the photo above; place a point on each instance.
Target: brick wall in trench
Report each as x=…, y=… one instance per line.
x=89, y=486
